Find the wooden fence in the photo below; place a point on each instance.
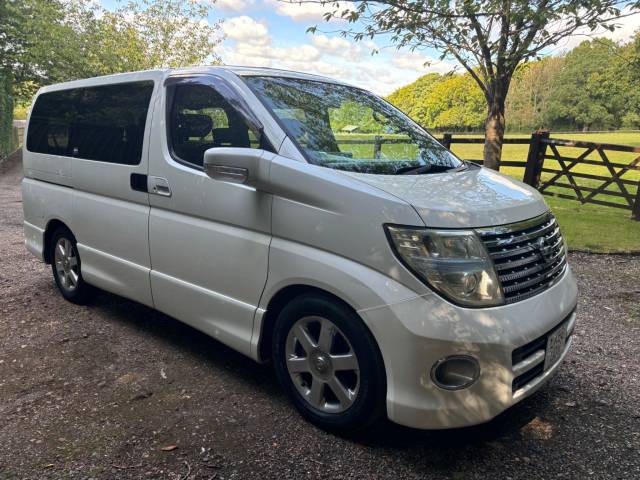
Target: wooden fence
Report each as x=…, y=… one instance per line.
x=448, y=139
x=610, y=187
x=607, y=188
x=18, y=133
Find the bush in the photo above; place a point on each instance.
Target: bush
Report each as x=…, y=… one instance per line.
x=6, y=116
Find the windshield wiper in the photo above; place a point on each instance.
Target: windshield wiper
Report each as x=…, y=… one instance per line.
x=420, y=169
x=413, y=170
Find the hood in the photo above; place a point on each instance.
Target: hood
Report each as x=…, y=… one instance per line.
x=476, y=197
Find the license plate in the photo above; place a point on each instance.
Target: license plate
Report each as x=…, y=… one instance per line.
x=555, y=346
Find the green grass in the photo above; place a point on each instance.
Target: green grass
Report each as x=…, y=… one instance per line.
x=587, y=227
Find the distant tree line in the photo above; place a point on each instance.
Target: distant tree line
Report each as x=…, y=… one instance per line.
x=595, y=86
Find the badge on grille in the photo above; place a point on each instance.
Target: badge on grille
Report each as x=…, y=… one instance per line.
x=544, y=249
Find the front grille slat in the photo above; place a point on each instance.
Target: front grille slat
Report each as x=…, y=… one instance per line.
x=528, y=256
x=536, y=280
x=513, y=239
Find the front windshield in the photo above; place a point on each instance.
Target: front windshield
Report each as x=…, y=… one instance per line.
x=347, y=128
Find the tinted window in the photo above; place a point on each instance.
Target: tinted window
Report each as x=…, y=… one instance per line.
x=200, y=118
x=104, y=123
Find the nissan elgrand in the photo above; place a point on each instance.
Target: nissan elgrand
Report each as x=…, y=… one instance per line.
x=304, y=221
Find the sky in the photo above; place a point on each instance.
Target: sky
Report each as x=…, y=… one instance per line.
x=272, y=33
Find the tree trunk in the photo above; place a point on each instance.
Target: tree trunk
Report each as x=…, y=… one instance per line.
x=494, y=134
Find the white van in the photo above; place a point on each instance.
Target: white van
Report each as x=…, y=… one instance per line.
x=381, y=274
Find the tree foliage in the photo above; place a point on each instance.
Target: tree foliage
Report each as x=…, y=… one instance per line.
x=532, y=88
x=490, y=39
x=48, y=41
x=444, y=102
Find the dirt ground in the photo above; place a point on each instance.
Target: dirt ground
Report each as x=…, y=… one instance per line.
x=116, y=390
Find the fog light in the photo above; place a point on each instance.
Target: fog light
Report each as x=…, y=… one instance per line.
x=455, y=372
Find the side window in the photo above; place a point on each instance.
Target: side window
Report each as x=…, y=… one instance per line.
x=104, y=123
x=200, y=118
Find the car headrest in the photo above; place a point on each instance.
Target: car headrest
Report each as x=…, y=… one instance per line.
x=231, y=137
x=194, y=124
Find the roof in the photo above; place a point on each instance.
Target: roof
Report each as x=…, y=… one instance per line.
x=236, y=69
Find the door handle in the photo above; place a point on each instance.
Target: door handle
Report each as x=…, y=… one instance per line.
x=159, y=186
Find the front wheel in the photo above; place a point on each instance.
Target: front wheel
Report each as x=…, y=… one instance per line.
x=65, y=264
x=329, y=364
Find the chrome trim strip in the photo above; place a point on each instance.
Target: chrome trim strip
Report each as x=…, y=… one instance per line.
x=528, y=363
x=540, y=278
x=543, y=230
x=571, y=323
x=537, y=382
x=513, y=227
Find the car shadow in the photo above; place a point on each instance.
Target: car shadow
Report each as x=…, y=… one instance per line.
x=386, y=434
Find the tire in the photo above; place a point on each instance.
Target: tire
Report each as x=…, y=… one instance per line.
x=66, y=268
x=305, y=365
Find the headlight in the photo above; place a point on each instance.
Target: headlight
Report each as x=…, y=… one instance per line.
x=453, y=262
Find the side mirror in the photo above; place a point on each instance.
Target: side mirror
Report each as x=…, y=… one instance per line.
x=238, y=165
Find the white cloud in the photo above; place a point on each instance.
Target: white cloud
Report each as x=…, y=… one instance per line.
x=625, y=29
x=234, y=5
x=300, y=53
x=246, y=29
x=338, y=46
x=308, y=11
x=250, y=43
x=418, y=62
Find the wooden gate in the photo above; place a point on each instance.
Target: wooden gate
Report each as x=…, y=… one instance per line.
x=553, y=167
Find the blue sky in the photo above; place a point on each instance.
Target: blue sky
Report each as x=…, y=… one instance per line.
x=273, y=33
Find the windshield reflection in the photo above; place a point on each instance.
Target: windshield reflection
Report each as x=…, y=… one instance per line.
x=346, y=128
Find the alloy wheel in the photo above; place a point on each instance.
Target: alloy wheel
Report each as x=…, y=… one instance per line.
x=322, y=364
x=66, y=262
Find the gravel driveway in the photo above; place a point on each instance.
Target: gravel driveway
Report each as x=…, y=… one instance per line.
x=116, y=390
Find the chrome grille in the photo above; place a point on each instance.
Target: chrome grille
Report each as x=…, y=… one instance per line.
x=529, y=256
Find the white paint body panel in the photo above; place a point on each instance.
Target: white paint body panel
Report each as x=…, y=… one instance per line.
x=209, y=244
x=214, y=254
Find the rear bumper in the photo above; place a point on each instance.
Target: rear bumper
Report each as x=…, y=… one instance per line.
x=416, y=333
x=34, y=239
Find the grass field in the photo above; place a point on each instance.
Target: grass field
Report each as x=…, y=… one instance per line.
x=587, y=227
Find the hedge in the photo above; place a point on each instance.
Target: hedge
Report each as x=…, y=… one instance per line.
x=6, y=116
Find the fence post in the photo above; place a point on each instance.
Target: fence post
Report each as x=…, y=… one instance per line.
x=446, y=140
x=377, y=146
x=535, y=159
x=635, y=213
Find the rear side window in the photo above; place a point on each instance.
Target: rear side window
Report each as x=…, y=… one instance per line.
x=104, y=123
x=200, y=119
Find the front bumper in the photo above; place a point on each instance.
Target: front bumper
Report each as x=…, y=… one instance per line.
x=416, y=333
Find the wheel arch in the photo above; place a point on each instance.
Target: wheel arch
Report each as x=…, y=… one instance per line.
x=52, y=225
x=280, y=299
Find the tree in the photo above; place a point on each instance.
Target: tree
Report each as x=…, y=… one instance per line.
x=488, y=38
x=587, y=94
x=444, y=102
x=456, y=104
x=175, y=33
x=532, y=88
x=49, y=41
x=626, y=70
x=412, y=98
